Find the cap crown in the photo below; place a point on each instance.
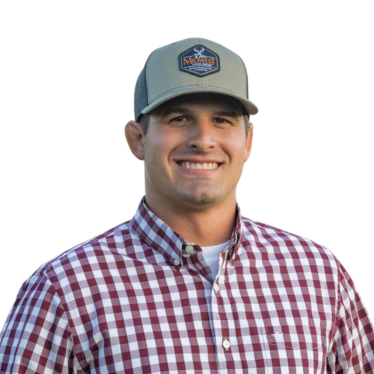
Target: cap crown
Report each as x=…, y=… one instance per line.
x=190, y=66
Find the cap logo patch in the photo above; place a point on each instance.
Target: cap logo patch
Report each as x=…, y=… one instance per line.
x=199, y=61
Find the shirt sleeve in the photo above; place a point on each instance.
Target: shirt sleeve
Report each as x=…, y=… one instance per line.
x=36, y=337
x=352, y=349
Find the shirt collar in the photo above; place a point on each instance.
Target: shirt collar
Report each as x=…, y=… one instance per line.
x=158, y=235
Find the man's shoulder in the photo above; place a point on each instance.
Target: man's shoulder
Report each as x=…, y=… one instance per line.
x=276, y=240
x=89, y=252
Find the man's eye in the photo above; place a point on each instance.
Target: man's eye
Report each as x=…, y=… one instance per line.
x=178, y=119
x=221, y=120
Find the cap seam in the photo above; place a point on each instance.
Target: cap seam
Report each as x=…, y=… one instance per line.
x=201, y=78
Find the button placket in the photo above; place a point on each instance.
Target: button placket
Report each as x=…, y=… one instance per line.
x=217, y=322
x=194, y=259
x=227, y=321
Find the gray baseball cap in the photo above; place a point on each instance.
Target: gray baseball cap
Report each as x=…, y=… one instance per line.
x=193, y=65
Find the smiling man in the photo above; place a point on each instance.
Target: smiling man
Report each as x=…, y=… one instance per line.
x=189, y=285
x=194, y=153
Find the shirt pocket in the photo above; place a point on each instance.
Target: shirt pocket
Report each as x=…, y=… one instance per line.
x=300, y=347
x=298, y=337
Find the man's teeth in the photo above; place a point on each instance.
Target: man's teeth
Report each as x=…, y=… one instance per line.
x=193, y=165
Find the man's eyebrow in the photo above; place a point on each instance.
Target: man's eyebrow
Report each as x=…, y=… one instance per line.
x=181, y=110
x=224, y=113
x=175, y=110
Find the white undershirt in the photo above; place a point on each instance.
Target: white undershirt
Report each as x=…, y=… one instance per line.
x=211, y=256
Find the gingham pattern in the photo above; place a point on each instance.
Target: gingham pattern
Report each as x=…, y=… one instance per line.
x=133, y=301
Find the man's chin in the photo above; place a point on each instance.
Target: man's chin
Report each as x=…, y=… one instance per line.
x=199, y=199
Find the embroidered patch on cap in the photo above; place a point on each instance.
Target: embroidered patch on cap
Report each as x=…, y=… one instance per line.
x=199, y=60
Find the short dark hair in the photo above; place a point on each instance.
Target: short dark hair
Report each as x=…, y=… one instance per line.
x=144, y=123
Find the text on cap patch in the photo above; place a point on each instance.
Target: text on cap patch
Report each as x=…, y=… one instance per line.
x=199, y=60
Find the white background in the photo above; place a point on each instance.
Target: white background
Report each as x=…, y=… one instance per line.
x=67, y=76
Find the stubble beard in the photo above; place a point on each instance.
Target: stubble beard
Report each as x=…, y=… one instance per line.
x=198, y=195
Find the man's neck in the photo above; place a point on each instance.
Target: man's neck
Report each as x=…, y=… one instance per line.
x=205, y=227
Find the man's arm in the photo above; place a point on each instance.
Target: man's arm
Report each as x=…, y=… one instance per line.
x=353, y=347
x=36, y=337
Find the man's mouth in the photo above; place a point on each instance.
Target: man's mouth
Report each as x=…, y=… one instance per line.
x=197, y=165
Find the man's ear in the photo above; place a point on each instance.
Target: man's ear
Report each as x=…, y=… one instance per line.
x=135, y=139
x=248, y=142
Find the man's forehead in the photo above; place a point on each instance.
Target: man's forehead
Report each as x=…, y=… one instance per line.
x=223, y=102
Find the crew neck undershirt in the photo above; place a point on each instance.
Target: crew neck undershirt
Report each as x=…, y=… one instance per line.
x=211, y=256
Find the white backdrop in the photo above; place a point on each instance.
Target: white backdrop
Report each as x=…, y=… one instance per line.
x=67, y=77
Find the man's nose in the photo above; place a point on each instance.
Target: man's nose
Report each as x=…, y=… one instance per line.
x=202, y=135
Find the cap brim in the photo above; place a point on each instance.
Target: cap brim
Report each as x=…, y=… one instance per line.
x=248, y=105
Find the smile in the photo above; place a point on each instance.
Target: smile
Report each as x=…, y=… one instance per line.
x=196, y=165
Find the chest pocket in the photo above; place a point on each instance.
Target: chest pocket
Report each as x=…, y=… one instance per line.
x=297, y=337
x=302, y=348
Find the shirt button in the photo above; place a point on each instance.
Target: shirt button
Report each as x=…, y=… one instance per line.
x=176, y=262
x=215, y=287
x=226, y=344
x=189, y=249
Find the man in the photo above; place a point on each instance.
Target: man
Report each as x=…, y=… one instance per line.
x=188, y=285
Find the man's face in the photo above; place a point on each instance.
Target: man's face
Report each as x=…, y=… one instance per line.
x=195, y=149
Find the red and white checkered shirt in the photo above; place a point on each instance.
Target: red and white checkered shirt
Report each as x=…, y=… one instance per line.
x=140, y=299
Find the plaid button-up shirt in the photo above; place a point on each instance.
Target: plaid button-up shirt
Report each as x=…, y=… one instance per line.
x=137, y=300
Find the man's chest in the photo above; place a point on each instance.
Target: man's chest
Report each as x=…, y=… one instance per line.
x=257, y=317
